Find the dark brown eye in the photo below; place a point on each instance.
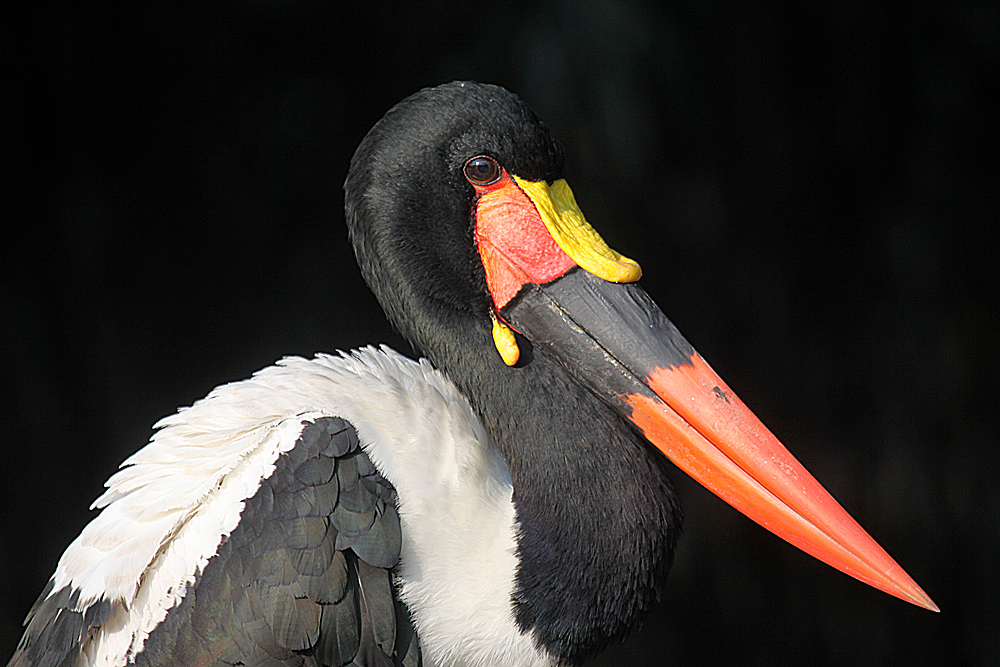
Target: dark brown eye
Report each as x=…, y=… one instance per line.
x=482, y=170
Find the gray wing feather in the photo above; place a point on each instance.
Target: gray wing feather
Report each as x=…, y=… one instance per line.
x=304, y=579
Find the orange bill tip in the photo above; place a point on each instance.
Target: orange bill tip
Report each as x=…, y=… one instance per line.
x=707, y=431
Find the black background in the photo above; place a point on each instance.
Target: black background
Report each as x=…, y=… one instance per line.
x=812, y=192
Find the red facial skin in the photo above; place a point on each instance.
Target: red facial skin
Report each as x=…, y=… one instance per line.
x=514, y=244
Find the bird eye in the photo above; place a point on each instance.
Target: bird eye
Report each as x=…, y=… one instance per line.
x=482, y=170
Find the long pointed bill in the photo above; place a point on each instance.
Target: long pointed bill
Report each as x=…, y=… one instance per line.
x=613, y=339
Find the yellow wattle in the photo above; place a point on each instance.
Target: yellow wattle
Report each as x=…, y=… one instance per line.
x=506, y=344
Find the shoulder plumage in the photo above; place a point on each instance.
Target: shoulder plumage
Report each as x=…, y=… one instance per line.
x=175, y=501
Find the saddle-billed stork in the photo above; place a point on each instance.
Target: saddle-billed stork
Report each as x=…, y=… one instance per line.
x=501, y=502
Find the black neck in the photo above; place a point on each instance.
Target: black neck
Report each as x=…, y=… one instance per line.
x=598, y=517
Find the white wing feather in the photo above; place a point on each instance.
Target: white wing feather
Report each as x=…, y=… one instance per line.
x=166, y=511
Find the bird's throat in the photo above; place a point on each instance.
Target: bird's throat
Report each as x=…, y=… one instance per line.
x=597, y=517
